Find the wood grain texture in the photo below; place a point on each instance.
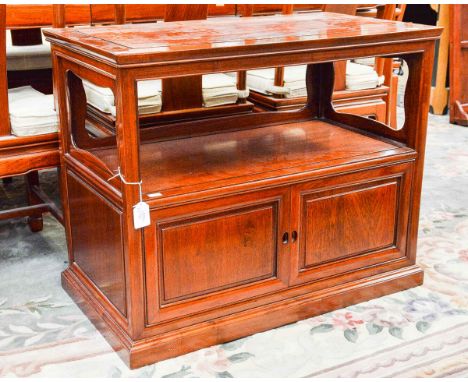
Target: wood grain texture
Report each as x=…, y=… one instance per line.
x=458, y=67
x=381, y=106
x=222, y=255
x=195, y=163
x=238, y=247
x=184, y=92
x=157, y=43
x=96, y=235
x=221, y=330
x=241, y=242
x=41, y=15
x=4, y=124
x=23, y=155
x=329, y=215
x=348, y=223
x=185, y=12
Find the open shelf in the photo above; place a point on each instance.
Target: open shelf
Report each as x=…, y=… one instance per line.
x=219, y=160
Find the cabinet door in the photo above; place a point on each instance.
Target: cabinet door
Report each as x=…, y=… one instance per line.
x=350, y=222
x=206, y=255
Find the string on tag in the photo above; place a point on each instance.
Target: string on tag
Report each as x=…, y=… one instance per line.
x=141, y=210
x=139, y=184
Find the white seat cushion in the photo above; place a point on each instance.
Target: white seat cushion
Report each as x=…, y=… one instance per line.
x=262, y=80
x=360, y=77
x=218, y=89
x=149, y=97
x=31, y=112
x=369, y=61
x=29, y=57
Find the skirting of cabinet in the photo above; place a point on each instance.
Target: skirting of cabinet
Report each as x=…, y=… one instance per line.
x=234, y=326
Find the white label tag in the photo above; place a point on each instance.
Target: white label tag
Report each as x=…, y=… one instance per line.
x=141, y=215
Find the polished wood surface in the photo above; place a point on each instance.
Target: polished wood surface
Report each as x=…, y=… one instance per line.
x=186, y=92
x=4, y=127
x=41, y=15
x=237, y=246
x=458, y=66
x=97, y=249
x=440, y=91
x=231, y=247
x=182, y=96
x=261, y=268
x=348, y=223
x=157, y=43
x=24, y=155
x=379, y=103
x=235, y=157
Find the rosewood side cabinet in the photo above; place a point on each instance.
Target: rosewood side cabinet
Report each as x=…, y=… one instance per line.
x=254, y=220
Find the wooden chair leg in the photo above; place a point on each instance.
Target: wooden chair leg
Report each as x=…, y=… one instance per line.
x=392, y=105
x=7, y=181
x=35, y=220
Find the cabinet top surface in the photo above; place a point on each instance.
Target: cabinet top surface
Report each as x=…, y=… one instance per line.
x=163, y=42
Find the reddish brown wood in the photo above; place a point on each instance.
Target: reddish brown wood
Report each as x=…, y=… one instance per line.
x=120, y=13
x=379, y=103
x=349, y=9
x=184, y=12
x=458, y=67
x=148, y=121
x=23, y=155
x=41, y=15
x=4, y=125
x=237, y=246
x=97, y=248
x=342, y=227
x=250, y=259
x=193, y=164
x=232, y=247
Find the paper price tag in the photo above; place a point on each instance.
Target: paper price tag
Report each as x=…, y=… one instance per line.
x=141, y=215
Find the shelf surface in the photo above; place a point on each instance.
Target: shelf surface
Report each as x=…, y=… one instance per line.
x=201, y=39
x=219, y=160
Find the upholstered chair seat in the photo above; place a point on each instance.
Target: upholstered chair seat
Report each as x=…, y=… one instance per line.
x=28, y=57
x=218, y=89
x=31, y=112
x=358, y=77
x=149, y=97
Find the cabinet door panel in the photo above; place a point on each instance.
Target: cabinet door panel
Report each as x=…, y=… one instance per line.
x=207, y=255
x=218, y=251
x=349, y=222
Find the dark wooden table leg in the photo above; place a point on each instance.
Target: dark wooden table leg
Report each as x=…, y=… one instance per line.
x=35, y=220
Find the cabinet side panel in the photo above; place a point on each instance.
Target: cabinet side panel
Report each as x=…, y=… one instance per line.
x=351, y=223
x=462, y=46
x=215, y=252
x=97, y=241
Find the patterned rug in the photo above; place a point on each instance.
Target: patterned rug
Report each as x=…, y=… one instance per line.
x=422, y=332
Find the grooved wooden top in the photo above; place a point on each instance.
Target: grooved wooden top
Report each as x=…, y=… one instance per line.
x=201, y=39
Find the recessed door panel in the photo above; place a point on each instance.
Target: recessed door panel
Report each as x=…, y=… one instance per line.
x=350, y=222
x=218, y=251
x=212, y=254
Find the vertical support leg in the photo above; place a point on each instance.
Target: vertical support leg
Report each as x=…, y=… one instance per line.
x=35, y=221
x=320, y=79
x=7, y=181
x=417, y=96
x=128, y=142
